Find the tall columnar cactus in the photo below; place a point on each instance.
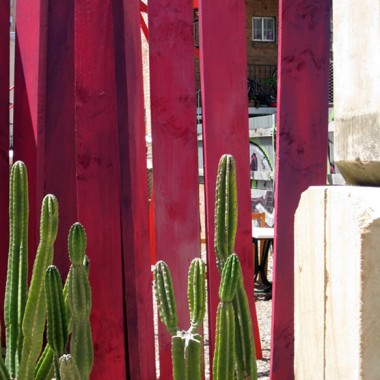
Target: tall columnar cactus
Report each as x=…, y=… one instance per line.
x=57, y=334
x=225, y=342
x=186, y=345
x=17, y=277
x=33, y=323
x=79, y=294
x=224, y=240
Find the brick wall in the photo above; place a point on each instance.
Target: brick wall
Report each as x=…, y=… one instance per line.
x=261, y=53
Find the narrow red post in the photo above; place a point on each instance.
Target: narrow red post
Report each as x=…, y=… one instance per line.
x=30, y=104
x=225, y=130
x=98, y=180
x=175, y=160
x=301, y=150
x=44, y=112
x=59, y=159
x=134, y=192
x=4, y=147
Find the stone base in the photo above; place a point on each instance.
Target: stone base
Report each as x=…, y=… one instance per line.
x=337, y=284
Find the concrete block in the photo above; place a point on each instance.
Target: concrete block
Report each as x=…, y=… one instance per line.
x=357, y=90
x=337, y=284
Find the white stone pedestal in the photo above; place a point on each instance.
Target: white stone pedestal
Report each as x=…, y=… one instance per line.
x=337, y=284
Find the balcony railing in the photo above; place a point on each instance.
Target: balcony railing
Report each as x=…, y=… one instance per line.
x=262, y=84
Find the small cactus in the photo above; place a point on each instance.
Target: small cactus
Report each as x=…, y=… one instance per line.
x=164, y=292
x=196, y=293
x=225, y=210
x=79, y=296
x=187, y=346
x=68, y=369
x=57, y=334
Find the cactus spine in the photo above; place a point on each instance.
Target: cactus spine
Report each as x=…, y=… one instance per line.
x=225, y=232
x=17, y=277
x=34, y=318
x=186, y=345
x=79, y=296
x=56, y=316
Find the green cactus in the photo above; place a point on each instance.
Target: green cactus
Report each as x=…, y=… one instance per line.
x=17, y=276
x=163, y=287
x=79, y=296
x=224, y=354
x=187, y=351
x=34, y=318
x=196, y=293
x=25, y=310
x=225, y=210
x=187, y=345
x=68, y=369
x=57, y=334
x=224, y=240
x=44, y=367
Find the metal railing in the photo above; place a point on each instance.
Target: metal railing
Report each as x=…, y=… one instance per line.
x=262, y=84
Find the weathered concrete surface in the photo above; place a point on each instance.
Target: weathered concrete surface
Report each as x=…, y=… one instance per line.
x=337, y=283
x=357, y=90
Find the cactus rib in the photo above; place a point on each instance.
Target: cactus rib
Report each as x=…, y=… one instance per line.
x=34, y=317
x=196, y=293
x=17, y=276
x=163, y=287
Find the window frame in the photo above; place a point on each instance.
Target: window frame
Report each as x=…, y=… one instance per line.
x=261, y=19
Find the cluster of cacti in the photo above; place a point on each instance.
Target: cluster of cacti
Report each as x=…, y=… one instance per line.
x=234, y=355
x=26, y=310
x=187, y=346
x=224, y=242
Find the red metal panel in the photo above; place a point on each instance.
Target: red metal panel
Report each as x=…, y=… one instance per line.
x=134, y=194
x=29, y=95
x=44, y=115
x=301, y=150
x=98, y=181
x=175, y=161
x=4, y=146
x=59, y=160
x=225, y=130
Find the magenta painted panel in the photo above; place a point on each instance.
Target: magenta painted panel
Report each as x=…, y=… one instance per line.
x=98, y=180
x=225, y=130
x=44, y=114
x=134, y=193
x=301, y=150
x=175, y=159
x=30, y=104
x=59, y=159
x=4, y=146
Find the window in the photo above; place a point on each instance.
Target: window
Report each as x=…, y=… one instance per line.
x=263, y=29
